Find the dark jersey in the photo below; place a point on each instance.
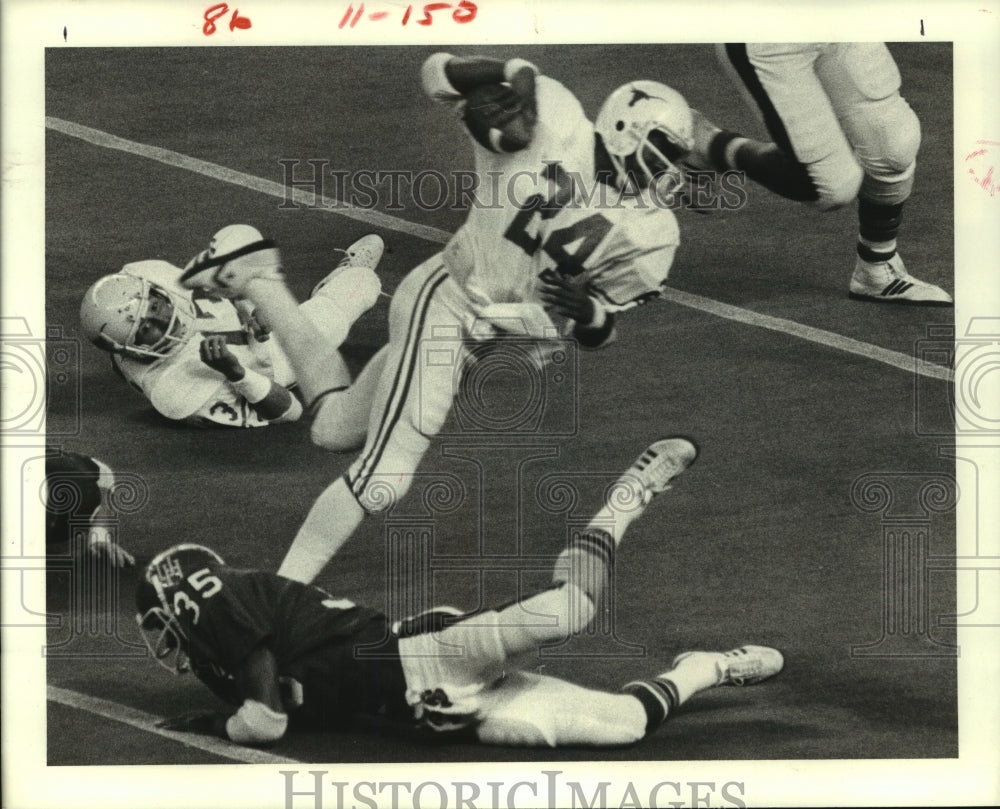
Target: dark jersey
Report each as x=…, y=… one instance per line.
x=73, y=494
x=335, y=659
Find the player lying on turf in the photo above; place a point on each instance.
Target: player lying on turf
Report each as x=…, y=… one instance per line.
x=287, y=653
x=585, y=233
x=840, y=132
x=76, y=496
x=208, y=360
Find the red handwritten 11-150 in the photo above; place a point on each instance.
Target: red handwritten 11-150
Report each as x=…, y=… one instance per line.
x=462, y=12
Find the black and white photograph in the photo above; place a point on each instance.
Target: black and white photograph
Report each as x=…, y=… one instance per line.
x=485, y=404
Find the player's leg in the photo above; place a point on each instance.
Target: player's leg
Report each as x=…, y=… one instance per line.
x=340, y=419
x=241, y=263
x=809, y=158
x=337, y=301
x=581, y=573
x=399, y=428
x=530, y=709
x=863, y=83
x=694, y=672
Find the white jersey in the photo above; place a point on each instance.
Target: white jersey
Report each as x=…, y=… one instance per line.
x=541, y=210
x=180, y=385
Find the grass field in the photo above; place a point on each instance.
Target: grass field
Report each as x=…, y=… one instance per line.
x=761, y=542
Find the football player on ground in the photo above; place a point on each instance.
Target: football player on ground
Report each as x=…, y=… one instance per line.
x=76, y=494
x=582, y=231
x=840, y=131
x=286, y=653
x=207, y=360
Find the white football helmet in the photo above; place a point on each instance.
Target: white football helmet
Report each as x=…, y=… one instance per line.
x=647, y=129
x=114, y=308
x=156, y=594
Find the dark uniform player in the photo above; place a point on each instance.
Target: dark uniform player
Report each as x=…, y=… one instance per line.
x=75, y=493
x=289, y=653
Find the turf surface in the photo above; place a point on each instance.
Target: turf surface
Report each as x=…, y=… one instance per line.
x=760, y=542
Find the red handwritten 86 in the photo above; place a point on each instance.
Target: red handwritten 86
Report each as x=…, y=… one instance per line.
x=214, y=12
x=465, y=11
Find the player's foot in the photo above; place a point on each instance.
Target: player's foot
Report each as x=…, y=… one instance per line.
x=237, y=255
x=704, y=132
x=889, y=282
x=662, y=461
x=747, y=665
x=366, y=253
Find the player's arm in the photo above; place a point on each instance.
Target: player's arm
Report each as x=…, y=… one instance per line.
x=99, y=542
x=260, y=719
x=271, y=401
x=490, y=94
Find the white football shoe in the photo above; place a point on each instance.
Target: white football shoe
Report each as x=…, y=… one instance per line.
x=889, y=282
x=662, y=461
x=236, y=255
x=365, y=253
x=747, y=665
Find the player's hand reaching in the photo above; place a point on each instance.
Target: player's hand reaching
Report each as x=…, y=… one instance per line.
x=112, y=552
x=566, y=298
x=216, y=355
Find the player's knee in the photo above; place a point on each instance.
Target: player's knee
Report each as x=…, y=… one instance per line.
x=335, y=425
x=839, y=186
x=894, y=153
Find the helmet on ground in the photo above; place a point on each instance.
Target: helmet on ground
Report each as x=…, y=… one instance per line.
x=128, y=315
x=646, y=128
x=156, y=600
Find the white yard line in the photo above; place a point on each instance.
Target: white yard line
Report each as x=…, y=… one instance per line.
x=147, y=722
x=106, y=140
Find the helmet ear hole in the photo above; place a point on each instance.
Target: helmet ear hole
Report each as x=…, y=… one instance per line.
x=645, y=128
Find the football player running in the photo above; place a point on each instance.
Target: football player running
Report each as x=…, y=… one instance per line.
x=209, y=361
x=289, y=654
x=585, y=232
x=840, y=131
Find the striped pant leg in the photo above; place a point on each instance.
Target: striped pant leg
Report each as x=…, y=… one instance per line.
x=414, y=395
x=783, y=86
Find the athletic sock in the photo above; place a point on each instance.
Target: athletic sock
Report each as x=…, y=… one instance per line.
x=658, y=698
x=878, y=226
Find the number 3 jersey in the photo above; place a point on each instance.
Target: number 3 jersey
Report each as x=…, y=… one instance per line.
x=318, y=641
x=542, y=210
x=180, y=386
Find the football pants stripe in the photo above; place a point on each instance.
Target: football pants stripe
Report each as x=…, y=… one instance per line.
x=396, y=403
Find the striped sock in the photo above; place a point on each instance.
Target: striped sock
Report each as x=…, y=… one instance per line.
x=658, y=697
x=878, y=226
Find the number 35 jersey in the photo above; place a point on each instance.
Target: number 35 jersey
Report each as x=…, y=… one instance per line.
x=541, y=210
x=317, y=641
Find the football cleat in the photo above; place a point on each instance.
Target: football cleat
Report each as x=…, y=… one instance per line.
x=366, y=253
x=236, y=255
x=889, y=282
x=662, y=461
x=747, y=665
